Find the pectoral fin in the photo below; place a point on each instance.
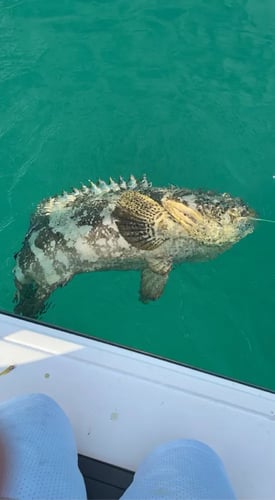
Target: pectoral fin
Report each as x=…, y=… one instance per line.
x=152, y=285
x=141, y=220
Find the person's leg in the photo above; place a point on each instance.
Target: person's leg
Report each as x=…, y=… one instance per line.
x=39, y=450
x=182, y=469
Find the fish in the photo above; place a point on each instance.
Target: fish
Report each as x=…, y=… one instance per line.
x=123, y=225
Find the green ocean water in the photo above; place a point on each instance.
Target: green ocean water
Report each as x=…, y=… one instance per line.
x=183, y=91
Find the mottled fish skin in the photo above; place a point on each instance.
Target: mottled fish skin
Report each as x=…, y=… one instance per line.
x=123, y=225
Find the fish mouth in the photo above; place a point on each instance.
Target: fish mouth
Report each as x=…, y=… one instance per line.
x=249, y=216
x=252, y=214
x=248, y=213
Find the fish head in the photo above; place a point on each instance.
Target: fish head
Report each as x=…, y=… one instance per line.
x=211, y=218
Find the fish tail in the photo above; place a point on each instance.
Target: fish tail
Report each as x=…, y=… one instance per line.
x=31, y=300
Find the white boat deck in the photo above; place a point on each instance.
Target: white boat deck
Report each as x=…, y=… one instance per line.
x=121, y=403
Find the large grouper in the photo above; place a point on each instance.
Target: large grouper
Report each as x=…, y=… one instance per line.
x=124, y=226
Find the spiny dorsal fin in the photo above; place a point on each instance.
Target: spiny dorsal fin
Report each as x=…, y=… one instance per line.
x=98, y=189
x=102, y=187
